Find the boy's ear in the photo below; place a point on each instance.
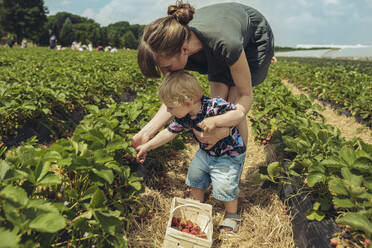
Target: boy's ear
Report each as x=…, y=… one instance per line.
x=189, y=103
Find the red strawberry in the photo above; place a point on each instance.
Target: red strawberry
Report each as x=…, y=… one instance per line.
x=189, y=224
x=194, y=232
x=174, y=221
x=185, y=230
x=334, y=242
x=197, y=229
x=367, y=242
x=183, y=224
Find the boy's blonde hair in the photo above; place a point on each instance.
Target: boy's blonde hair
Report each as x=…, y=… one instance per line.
x=178, y=88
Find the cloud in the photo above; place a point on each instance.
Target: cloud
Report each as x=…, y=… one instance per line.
x=369, y=3
x=139, y=11
x=90, y=13
x=65, y=2
x=331, y=2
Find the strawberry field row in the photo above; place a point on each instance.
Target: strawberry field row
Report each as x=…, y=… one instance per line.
x=346, y=85
x=44, y=89
x=314, y=157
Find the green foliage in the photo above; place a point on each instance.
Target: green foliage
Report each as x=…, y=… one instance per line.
x=129, y=40
x=25, y=19
x=76, y=186
x=67, y=33
x=81, y=190
x=87, y=30
x=313, y=156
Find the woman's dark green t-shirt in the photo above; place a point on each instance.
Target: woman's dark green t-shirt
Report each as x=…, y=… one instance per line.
x=225, y=29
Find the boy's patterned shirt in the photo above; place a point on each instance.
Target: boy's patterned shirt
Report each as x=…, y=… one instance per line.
x=231, y=145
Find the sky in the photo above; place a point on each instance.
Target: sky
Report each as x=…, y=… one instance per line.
x=294, y=22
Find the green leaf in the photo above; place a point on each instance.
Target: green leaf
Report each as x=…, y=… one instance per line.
x=315, y=215
x=348, y=154
x=51, y=156
x=356, y=190
x=363, y=164
x=356, y=221
x=133, y=113
x=317, y=168
x=314, y=178
x=41, y=170
x=336, y=187
x=323, y=136
x=366, y=147
x=46, y=111
x=50, y=179
x=101, y=157
x=351, y=178
x=333, y=162
x=49, y=222
x=136, y=185
x=316, y=205
x=273, y=169
x=15, y=194
x=108, y=221
x=367, y=182
x=8, y=239
x=343, y=203
x=4, y=167
x=98, y=199
x=104, y=173
x=116, y=144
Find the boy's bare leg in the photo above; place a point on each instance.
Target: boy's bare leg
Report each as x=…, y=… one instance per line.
x=197, y=194
x=231, y=207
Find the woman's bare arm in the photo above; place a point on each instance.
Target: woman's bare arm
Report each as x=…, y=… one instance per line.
x=241, y=75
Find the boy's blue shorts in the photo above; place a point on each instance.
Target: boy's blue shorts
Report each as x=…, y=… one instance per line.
x=223, y=172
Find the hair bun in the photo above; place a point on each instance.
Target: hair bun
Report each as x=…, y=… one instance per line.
x=183, y=12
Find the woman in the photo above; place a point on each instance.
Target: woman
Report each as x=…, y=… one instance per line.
x=231, y=42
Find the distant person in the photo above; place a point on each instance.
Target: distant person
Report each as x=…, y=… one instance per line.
x=100, y=48
x=52, y=41
x=24, y=43
x=11, y=43
x=74, y=46
x=221, y=165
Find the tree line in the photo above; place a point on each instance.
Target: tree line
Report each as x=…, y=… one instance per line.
x=21, y=19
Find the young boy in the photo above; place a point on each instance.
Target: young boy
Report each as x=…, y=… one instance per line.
x=221, y=165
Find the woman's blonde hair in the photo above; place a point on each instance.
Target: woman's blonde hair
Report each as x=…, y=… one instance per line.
x=164, y=37
x=178, y=88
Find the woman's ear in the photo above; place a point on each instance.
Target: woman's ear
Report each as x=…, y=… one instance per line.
x=185, y=49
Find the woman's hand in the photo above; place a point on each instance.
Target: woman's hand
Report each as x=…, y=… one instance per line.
x=139, y=139
x=211, y=138
x=207, y=125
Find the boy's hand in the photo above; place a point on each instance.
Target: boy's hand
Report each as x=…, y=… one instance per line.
x=208, y=125
x=141, y=153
